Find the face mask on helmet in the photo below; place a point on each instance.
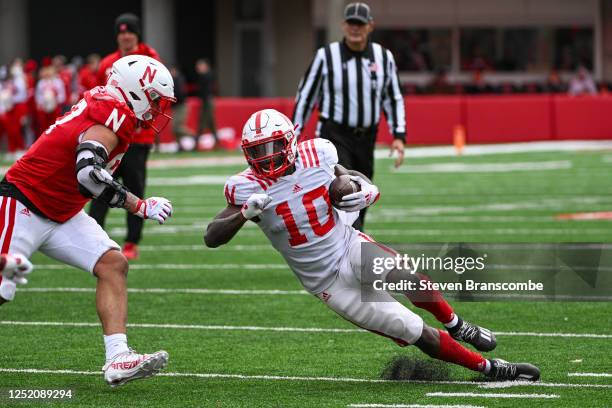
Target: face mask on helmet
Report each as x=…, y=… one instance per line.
x=272, y=156
x=157, y=117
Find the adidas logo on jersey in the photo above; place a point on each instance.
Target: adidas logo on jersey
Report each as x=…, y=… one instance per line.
x=25, y=212
x=297, y=188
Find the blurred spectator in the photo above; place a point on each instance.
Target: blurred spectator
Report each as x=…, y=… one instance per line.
x=13, y=107
x=582, y=83
x=554, y=83
x=64, y=73
x=439, y=84
x=50, y=97
x=478, y=84
x=179, y=109
x=88, y=74
x=205, y=92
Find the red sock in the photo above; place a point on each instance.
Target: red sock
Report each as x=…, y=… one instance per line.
x=433, y=302
x=455, y=353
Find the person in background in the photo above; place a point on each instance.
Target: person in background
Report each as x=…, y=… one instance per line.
x=88, y=73
x=582, y=83
x=554, y=83
x=12, y=98
x=350, y=113
x=478, y=84
x=50, y=97
x=440, y=85
x=133, y=167
x=13, y=108
x=30, y=70
x=205, y=80
x=179, y=109
x=64, y=73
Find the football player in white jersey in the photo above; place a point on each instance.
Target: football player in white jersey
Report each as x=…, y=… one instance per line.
x=285, y=191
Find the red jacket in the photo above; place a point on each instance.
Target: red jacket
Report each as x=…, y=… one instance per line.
x=142, y=136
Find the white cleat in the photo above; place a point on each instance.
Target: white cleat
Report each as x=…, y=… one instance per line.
x=132, y=366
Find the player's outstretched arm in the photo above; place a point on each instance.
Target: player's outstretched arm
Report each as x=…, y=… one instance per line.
x=96, y=182
x=227, y=223
x=224, y=226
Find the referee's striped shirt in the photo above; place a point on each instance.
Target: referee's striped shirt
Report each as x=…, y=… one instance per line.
x=351, y=87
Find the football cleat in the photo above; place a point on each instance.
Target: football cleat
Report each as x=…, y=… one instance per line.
x=479, y=337
x=130, y=366
x=501, y=370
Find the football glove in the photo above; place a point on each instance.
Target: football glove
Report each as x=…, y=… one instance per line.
x=154, y=208
x=16, y=267
x=368, y=195
x=255, y=205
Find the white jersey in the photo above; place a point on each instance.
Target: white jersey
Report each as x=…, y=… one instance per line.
x=300, y=222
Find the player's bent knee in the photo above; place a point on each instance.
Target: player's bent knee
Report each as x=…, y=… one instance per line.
x=112, y=263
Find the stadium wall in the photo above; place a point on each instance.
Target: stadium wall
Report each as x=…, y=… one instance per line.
x=432, y=119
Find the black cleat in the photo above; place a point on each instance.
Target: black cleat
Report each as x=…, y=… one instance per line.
x=502, y=370
x=479, y=337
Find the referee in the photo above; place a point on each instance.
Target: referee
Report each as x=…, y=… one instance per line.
x=351, y=81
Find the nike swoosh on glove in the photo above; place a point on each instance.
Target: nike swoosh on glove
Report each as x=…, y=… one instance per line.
x=368, y=195
x=154, y=208
x=255, y=205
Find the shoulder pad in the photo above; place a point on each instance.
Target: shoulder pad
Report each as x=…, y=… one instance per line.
x=110, y=112
x=317, y=152
x=239, y=187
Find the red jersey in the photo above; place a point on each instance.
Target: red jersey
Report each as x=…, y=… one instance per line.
x=144, y=136
x=46, y=174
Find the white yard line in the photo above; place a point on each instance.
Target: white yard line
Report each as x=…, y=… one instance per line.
x=411, y=406
x=201, y=180
x=277, y=329
x=272, y=292
x=212, y=267
x=490, y=395
x=301, y=378
x=485, y=168
x=589, y=374
x=407, y=231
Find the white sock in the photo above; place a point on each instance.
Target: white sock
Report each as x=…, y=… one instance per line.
x=115, y=344
x=452, y=323
x=487, y=367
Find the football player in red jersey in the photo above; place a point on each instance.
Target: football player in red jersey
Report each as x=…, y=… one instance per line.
x=133, y=169
x=43, y=194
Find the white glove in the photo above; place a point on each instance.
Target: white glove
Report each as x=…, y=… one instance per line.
x=154, y=208
x=361, y=199
x=255, y=205
x=16, y=267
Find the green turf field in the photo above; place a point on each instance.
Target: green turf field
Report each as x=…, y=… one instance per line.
x=256, y=348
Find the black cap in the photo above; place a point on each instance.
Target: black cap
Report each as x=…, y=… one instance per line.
x=358, y=12
x=128, y=22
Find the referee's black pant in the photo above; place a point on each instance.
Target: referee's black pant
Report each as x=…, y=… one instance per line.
x=133, y=172
x=355, y=148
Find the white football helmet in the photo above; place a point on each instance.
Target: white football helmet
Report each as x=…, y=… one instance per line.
x=269, y=143
x=146, y=86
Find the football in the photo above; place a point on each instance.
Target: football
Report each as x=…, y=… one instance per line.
x=341, y=186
